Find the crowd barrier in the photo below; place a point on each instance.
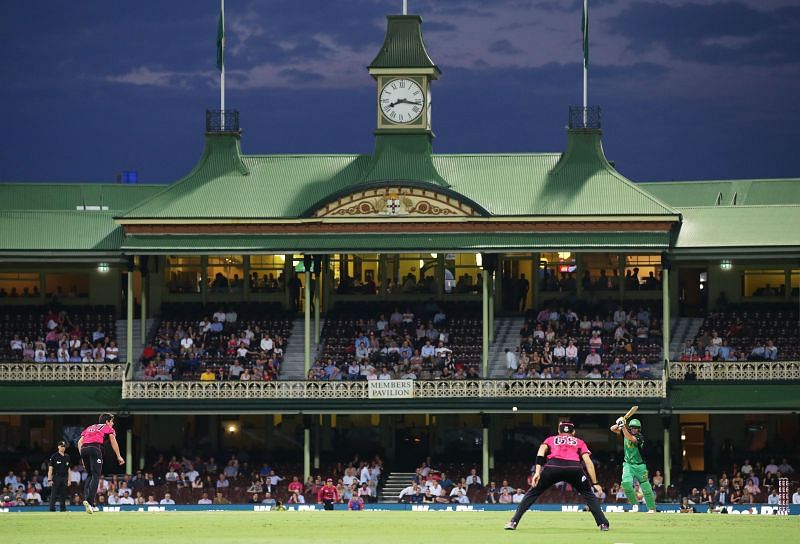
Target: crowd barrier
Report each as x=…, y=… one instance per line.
x=749, y=509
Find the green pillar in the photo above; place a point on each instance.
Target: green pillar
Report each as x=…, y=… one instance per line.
x=129, y=322
x=665, y=324
x=129, y=451
x=485, y=323
x=307, y=315
x=667, y=459
x=143, y=316
x=491, y=306
x=306, y=454
x=317, y=310
x=142, y=445
x=485, y=461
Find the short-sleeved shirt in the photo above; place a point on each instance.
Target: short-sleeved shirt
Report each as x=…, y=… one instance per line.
x=633, y=450
x=565, y=447
x=96, y=434
x=60, y=464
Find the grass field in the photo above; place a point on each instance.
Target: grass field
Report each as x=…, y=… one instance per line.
x=391, y=527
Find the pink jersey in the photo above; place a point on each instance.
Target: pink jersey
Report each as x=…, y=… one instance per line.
x=566, y=447
x=96, y=434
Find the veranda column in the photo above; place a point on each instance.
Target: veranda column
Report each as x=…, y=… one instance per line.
x=129, y=316
x=667, y=458
x=485, y=459
x=485, y=322
x=129, y=449
x=492, y=281
x=665, y=266
x=143, y=314
x=307, y=313
x=317, y=296
x=306, y=452
x=142, y=442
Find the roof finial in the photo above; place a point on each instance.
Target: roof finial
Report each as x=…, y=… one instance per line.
x=405, y=7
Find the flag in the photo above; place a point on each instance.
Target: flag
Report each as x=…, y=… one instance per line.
x=585, y=31
x=221, y=42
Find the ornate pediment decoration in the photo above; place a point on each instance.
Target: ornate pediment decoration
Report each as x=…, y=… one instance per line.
x=395, y=202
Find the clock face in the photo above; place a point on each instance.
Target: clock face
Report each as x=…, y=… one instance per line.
x=402, y=100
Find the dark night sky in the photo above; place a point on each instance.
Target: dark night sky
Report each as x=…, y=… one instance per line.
x=690, y=90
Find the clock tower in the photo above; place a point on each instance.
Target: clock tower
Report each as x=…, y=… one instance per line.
x=403, y=71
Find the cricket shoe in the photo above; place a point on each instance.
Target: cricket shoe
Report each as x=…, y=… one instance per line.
x=510, y=526
x=604, y=527
x=88, y=507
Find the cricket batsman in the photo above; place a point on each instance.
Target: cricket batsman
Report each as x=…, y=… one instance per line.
x=633, y=465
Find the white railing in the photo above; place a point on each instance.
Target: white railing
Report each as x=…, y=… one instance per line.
x=422, y=389
x=739, y=370
x=62, y=372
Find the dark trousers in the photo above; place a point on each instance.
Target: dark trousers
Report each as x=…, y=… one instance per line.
x=58, y=492
x=572, y=475
x=92, y=458
x=327, y=504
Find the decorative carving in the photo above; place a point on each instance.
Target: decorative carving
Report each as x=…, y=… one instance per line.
x=422, y=389
x=62, y=372
x=742, y=370
x=396, y=201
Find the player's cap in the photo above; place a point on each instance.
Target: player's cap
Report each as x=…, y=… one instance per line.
x=635, y=423
x=61, y=443
x=566, y=427
x=330, y=479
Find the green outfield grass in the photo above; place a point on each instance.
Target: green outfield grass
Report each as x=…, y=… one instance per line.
x=390, y=527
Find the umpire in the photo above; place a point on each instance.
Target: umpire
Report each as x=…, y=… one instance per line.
x=57, y=468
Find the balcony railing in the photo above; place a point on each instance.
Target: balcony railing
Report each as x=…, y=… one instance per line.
x=310, y=390
x=588, y=117
x=222, y=120
x=62, y=372
x=740, y=370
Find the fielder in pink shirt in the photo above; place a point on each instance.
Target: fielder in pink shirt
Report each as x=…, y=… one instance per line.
x=91, y=445
x=563, y=458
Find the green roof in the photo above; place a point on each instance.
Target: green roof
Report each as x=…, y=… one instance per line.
x=579, y=182
x=55, y=230
x=68, y=196
x=724, y=227
x=726, y=192
x=402, y=243
x=403, y=46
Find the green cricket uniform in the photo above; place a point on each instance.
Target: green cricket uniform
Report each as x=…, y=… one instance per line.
x=633, y=466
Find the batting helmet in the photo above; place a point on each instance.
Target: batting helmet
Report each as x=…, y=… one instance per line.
x=635, y=423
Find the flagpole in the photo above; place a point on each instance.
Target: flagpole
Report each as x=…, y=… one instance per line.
x=222, y=71
x=405, y=7
x=585, y=63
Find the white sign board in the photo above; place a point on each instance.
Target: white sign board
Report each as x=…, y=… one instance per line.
x=391, y=389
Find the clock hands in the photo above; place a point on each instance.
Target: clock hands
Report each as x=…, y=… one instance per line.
x=404, y=101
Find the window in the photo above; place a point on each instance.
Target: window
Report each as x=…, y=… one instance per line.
x=557, y=271
x=461, y=273
x=266, y=273
x=643, y=272
x=764, y=283
x=67, y=285
x=19, y=284
x=416, y=272
x=183, y=275
x=600, y=272
x=357, y=273
x=225, y=274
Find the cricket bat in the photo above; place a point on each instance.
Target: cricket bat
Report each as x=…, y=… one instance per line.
x=630, y=412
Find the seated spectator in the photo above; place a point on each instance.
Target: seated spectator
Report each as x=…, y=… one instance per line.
x=474, y=480
x=517, y=497
x=458, y=494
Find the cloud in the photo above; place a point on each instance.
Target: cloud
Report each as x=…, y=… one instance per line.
x=504, y=47
x=721, y=33
x=144, y=76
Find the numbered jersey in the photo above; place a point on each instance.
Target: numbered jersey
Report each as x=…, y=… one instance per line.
x=566, y=447
x=96, y=434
